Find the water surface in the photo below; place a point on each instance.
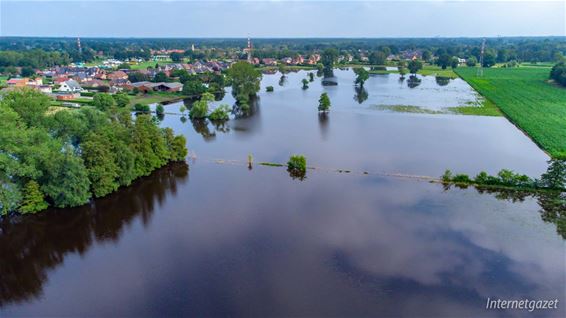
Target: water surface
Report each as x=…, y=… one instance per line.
x=221, y=240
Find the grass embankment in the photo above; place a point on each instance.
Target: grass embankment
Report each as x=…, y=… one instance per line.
x=433, y=70
x=485, y=108
x=154, y=98
x=527, y=99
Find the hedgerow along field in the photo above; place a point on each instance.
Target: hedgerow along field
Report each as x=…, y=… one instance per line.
x=528, y=99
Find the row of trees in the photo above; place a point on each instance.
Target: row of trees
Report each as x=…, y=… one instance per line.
x=66, y=158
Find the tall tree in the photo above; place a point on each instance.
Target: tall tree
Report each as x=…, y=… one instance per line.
x=361, y=76
x=324, y=103
x=33, y=199
x=245, y=79
x=414, y=66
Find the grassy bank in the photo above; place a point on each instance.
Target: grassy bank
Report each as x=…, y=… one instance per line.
x=528, y=99
x=433, y=70
x=487, y=108
x=154, y=98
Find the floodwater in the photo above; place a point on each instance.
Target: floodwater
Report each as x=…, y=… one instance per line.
x=218, y=239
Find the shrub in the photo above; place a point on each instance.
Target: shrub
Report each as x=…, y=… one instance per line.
x=297, y=163
x=220, y=113
x=159, y=110
x=269, y=89
x=447, y=176
x=199, y=109
x=461, y=178
x=141, y=108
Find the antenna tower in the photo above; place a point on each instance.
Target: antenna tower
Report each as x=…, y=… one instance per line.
x=249, y=49
x=79, y=45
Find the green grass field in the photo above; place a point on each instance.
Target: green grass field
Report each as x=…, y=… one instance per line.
x=144, y=65
x=154, y=98
x=528, y=99
x=433, y=70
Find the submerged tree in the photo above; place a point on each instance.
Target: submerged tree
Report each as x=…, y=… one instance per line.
x=199, y=109
x=305, y=83
x=414, y=66
x=361, y=76
x=245, y=80
x=297, y=167
x=324, y=103
x=328, y=58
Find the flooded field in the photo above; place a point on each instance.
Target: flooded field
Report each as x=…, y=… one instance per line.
x=218, y=239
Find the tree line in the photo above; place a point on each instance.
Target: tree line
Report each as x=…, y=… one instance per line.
x=63, y=159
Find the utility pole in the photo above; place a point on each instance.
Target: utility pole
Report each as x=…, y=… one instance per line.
x=480, y=70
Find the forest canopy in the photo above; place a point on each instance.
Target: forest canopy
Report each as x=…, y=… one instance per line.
x=65, y=158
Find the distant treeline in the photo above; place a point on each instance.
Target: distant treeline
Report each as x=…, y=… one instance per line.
x=66, y=158
x=526, y=49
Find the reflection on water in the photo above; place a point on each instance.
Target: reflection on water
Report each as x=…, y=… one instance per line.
x=361, y=94
x=30, y=246
x=235, y=242
x=413, y=81
x=442, y=81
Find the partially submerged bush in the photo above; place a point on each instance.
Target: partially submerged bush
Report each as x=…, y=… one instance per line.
x=221, y=113
x=141, y=108
x=269, y=89
x=297, y=167
x=297, y=163
x=506, y=178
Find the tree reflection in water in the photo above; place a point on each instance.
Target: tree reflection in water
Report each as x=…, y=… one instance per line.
x=552, y=203
x=201, y=127
x=323, y=121
x=361, y=94
x=30, y=245
x=442, y=81
x=413, y=81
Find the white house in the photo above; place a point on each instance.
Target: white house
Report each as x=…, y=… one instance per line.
x=70, y=86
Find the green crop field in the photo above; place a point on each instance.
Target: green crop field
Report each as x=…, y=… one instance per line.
x=528, y=99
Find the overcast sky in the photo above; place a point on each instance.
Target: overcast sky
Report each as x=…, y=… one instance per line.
x=170, y=18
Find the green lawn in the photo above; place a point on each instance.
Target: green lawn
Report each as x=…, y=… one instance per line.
x=151, y=63
x=433, y=70
x=528, y=99
x=154, y=98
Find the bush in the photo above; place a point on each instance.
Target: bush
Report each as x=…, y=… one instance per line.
x=141, y=108
x=447, y=176
x=159, y=110
x=297, y=163
x=221, y=112
x=269, y=89
x=199, y=109
x=461, y=178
